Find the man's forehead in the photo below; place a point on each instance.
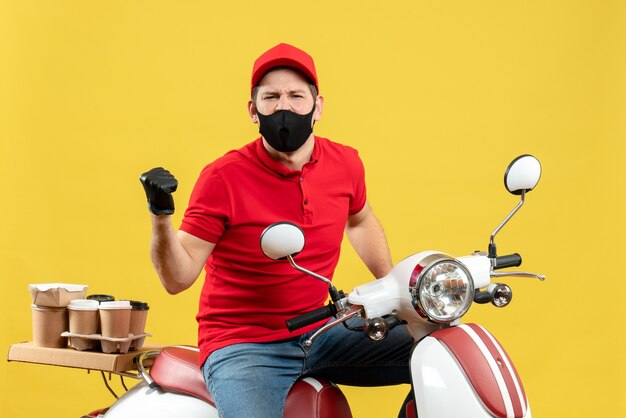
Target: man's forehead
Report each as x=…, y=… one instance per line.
x=284, y=75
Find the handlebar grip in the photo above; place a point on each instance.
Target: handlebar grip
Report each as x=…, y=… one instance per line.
x=311, y=317
x=510, y=260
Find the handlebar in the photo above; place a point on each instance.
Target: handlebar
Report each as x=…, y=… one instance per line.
x=510, y=260
x=311, y=317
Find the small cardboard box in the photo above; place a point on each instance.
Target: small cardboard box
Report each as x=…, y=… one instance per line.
x=56, y=295
x=68, y=357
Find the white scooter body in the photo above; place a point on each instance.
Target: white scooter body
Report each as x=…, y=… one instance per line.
x=449, y=360
x=464, y=360
x=141, y=401
x=488, y=386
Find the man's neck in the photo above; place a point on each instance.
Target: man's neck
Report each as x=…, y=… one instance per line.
x=293, y=160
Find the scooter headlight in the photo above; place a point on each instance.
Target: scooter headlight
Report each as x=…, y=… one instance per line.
x=442, y=288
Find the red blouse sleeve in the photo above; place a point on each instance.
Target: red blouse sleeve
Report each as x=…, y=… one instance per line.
x=360, y=196
x=208, y=212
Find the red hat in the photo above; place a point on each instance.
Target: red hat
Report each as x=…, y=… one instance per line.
x=284, y=55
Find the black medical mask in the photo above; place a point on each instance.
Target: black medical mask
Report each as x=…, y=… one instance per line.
x=285, y=130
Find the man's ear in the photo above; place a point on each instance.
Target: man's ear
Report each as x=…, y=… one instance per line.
x=319, y=107
x=252, y=112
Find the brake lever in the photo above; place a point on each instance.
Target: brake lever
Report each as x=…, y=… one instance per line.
x=518, y=274
x=352, y=312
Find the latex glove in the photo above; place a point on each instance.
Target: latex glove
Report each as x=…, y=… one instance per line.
x=159, y=184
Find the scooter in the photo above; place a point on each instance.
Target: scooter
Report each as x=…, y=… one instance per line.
x=429, y=292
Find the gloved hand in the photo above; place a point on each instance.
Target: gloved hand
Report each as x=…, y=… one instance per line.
x=159, y=185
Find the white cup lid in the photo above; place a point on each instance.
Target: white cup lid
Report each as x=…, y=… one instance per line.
x=116, y=304
x=83, y=305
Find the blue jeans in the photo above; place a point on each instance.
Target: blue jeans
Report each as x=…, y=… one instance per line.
x=253, y=379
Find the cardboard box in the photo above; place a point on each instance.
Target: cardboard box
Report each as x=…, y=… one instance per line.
x=68, y=357
x=56, y=294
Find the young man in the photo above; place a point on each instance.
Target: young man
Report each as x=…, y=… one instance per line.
x=249, y=359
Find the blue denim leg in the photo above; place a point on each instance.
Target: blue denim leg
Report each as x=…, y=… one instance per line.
x=350, y=358
x=253, y=379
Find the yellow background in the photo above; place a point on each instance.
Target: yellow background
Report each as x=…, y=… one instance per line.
x=438, y=96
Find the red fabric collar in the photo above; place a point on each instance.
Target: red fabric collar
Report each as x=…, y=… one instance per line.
x=279, y=167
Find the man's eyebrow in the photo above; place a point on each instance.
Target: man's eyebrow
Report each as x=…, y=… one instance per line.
x=291, y=91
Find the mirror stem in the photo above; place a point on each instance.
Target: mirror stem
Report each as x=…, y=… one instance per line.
x=334, y=294
x=492, y=244
x=310, y=273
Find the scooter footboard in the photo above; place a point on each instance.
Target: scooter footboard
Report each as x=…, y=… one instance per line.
x=464, y=371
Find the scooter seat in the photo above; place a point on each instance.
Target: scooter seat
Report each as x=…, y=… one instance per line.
x=176, y=368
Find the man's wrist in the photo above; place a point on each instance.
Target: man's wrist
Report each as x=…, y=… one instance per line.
x=161, y=219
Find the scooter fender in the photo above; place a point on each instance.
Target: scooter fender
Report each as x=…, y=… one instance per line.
x=463, y=371
x=141, y=401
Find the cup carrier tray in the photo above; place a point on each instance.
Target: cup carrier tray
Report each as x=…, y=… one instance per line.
x=109, y=345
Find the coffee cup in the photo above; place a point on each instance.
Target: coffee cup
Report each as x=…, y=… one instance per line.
x=83, y=316
x=138, y=316
x=115, y=318
x=48, y=324
x=84, y=319
x=101, y=298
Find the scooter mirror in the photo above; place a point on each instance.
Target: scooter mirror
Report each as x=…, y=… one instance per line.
x=282, y=239
x=522, y=175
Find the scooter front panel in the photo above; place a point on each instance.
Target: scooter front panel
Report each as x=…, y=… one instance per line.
x=487, y=368
x=440, y=386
